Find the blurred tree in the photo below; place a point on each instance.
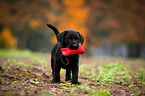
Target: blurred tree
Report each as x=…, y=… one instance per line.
x=7, y=40
x=73, y=15
x=24, y=18
x=116, y=21
x=101, y=22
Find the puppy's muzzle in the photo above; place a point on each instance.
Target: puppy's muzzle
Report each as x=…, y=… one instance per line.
x=74, y=46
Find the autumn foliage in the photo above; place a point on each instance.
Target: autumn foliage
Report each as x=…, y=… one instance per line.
x=7, y=40
x=101, y=22
x=74, y=16
x=117, y=21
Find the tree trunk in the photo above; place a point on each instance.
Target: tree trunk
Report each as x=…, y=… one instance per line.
x=134, y=50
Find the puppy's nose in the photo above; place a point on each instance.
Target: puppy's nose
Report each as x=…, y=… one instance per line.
x=75, y=45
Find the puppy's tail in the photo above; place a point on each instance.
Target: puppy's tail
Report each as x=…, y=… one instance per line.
x=54, y=29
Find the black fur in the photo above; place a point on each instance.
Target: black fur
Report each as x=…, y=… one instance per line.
x=53, y=28
x=66, y=39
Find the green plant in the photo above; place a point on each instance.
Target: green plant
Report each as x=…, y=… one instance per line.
x=83, y=68
x=11, y=63
x=108, y=73
x=105, y=78
x=141, y=70
x=38, y=61
x=91, y=91
x=4, y=74
x=83, y=88
x=17, y=82
x=34, y=82
x=117, y=68
x=139, y=75
x=92, y=74
x=103, y=92
x=62, y=72
x=21, y=64
x=65, y=84
x=111, y=70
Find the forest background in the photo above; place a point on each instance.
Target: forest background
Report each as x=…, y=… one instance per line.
x=110, y=27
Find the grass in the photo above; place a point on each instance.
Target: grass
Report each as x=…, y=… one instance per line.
x=19, y=53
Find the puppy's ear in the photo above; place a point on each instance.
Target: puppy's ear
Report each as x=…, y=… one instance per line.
x=81, y=38
x=61, y=36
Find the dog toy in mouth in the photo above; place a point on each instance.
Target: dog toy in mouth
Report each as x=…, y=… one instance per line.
x=67, y=51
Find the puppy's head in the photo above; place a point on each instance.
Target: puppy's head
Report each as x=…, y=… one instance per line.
x=70, y=39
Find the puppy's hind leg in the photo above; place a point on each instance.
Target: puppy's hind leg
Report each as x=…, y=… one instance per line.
x=55, y=71
x=52, y=68
x=56, y=75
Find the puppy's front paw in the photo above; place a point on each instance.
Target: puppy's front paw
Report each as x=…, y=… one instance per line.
x=76, y=82
x=55, y=81
x=67, y=79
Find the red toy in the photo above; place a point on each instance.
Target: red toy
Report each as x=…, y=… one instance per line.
x=67, y=51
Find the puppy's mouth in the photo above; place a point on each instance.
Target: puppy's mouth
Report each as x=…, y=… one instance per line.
x=74, y=46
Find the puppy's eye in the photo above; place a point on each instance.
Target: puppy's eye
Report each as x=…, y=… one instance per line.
x=70, y=38
x=76, y=38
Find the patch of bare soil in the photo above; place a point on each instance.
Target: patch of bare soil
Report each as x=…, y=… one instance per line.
x=35, y=79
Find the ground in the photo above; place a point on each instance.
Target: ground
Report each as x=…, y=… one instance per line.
x=100, y=76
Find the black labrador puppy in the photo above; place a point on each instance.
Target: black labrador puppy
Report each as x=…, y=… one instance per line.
x=66, y=39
